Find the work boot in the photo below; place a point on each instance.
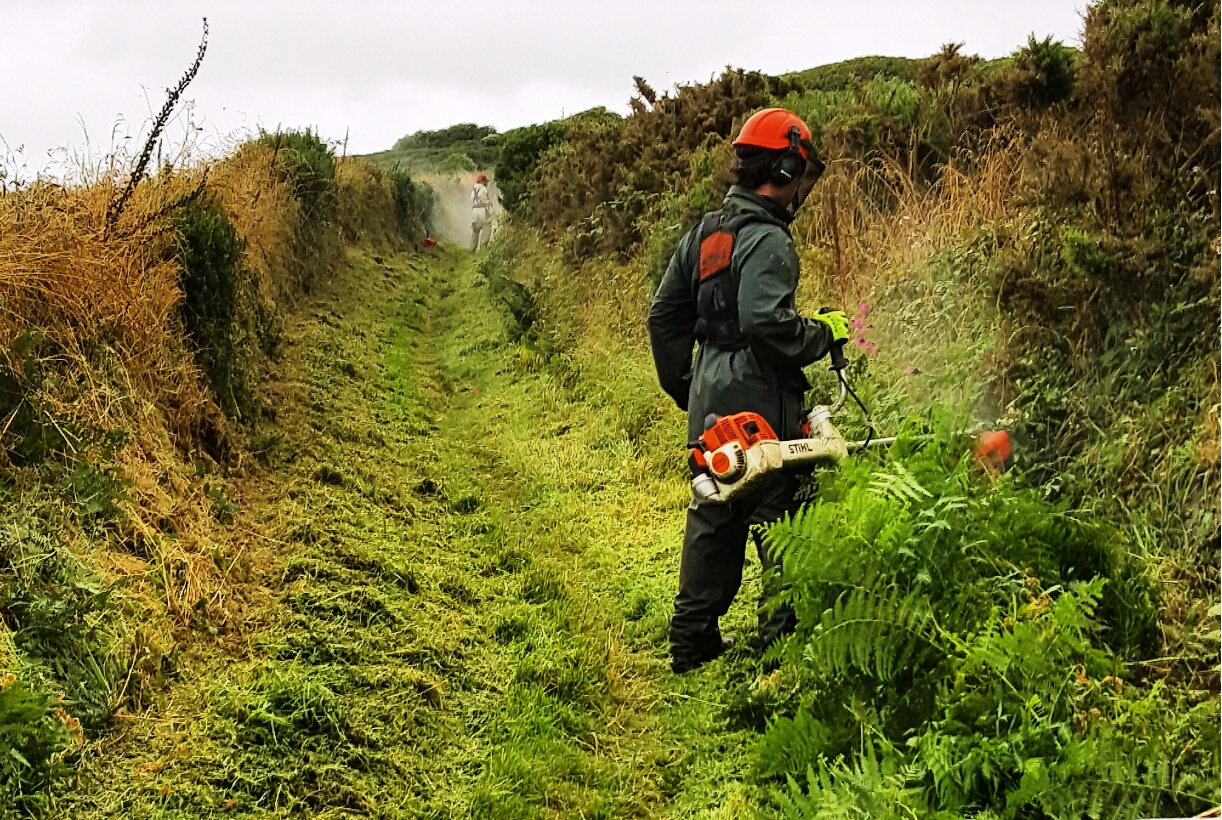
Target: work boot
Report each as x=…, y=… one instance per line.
x=687, y=664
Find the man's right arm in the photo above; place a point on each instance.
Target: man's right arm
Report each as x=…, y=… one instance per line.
x=672, y=327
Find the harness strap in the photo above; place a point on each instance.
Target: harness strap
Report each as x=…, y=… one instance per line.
x=715, y=283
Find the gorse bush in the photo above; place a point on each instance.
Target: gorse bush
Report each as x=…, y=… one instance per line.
x=210, y=253
x=960, y=649
x=307, y=164
x=414, y=203
x=601, y=185
x=518, y=159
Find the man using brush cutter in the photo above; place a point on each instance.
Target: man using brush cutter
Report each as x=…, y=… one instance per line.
x=730, y=287
x=481, y=213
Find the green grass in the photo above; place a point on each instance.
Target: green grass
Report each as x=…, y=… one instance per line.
x=466, y=576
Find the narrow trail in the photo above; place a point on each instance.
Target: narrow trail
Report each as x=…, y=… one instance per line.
x=461, y=581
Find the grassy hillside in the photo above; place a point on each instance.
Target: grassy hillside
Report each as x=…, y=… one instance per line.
x=848, y=73
x=465, y=147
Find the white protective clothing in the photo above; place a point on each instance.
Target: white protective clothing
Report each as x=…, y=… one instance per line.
x=481, y=215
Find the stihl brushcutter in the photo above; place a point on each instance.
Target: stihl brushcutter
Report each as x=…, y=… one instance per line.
x=736, y=451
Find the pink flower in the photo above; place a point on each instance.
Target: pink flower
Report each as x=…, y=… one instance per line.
x=859, y=330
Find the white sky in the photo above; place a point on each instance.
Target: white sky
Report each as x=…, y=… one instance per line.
x=377, y=70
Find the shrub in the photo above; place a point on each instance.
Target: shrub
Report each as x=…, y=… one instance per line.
x=603, y=183
x=414, y=203
x=455, y=162
x=517, y=160
x=210, y=255
x=307, y=164
x=478, y=142
x=965, y=639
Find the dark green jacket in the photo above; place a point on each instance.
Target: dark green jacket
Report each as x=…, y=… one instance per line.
x=766, y=377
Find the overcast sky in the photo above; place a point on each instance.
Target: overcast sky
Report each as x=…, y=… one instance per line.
x=376, y=70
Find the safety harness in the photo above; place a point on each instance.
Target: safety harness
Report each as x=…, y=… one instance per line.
x=715, y=280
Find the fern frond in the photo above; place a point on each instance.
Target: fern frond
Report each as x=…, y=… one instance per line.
x=876, y=633
x=898, y=485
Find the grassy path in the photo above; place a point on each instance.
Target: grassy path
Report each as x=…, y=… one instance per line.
x=462, y=574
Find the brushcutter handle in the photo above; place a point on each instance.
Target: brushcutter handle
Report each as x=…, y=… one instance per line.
x=839, y=361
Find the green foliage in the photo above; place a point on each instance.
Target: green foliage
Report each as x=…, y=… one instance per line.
x=516, y=298
x=1046, y=72
x=33, y=433
x=307, y=163
x=446, y=137
x=210, y=255
x=33, y=739
x=455, y=161
x=850, y=73
x=1112, y=300
x=461, y=147
x=77, y=459
x=414, y=204
x=54, y=609
x=960, y=647
x=517, y=159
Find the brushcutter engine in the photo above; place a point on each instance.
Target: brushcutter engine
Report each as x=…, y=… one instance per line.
x=739, y=450
x=735, y=452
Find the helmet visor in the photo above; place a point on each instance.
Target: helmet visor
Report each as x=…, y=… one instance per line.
x=814, y=170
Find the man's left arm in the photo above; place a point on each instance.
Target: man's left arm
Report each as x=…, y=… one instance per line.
x=768, y=276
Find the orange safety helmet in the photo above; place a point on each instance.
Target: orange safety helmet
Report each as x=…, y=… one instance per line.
x=481, y=177
x=770, y=129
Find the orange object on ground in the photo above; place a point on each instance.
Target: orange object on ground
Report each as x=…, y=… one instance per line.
x=993, y=449
x=429, y=242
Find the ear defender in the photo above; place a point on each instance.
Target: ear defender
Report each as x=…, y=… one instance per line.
x=789, y=165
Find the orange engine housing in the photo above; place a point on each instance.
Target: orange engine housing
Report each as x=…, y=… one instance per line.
x=745, y=428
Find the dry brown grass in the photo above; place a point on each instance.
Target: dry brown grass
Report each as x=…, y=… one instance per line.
x=266, y=215
x=113, y=354
x=865, y=223
x=114, y=358
x=365, y=198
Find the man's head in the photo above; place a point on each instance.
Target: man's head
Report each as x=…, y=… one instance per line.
x=775, y=157
x=481, y=177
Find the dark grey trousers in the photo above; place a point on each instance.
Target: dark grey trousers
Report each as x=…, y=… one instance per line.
x=711, y=567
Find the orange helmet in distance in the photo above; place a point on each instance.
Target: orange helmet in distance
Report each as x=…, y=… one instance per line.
x=481, y=177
